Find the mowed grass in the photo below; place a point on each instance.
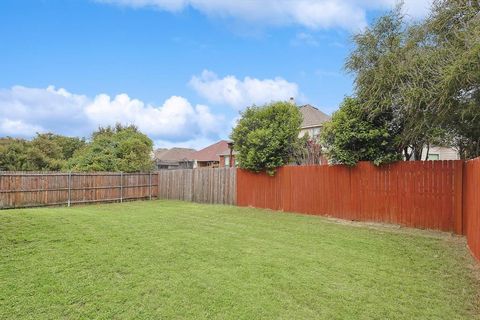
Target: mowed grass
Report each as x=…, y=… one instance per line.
x=175, y=260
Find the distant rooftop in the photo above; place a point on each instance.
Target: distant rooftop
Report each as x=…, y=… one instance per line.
x=174, y=154
x=211, y=152
x=312, y=117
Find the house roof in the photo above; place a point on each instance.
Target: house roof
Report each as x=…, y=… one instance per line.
x=174, y=154
x=227, y=152
x=312, y=117
x=211, y=152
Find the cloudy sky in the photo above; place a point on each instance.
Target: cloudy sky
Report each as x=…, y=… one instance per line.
x=181, y=70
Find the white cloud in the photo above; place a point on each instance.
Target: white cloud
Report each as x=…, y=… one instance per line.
x=13, y=127
x=305, y=38
x=24, y=111
x=194, y=143
x=242, y=93
x=314, y=14
x=413, y=8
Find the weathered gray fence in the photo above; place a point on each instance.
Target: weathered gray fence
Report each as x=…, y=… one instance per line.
x=205, y=185
x=32, y=189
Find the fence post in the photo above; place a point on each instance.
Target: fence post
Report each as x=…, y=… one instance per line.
x=150, y=183
x=69, y=188
x=121, y=187
x=158, y=184
x=458, y=197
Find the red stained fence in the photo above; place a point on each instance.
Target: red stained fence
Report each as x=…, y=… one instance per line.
x=471, y=205
x=421, y=194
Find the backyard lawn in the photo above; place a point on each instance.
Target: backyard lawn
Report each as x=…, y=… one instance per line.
x=169, y=259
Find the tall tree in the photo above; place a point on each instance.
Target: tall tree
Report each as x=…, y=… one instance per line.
x=13, y=155
x=351, y=136
x=50, y=151
x=381, y=63
x=453, y=32
x=423, y=78
x=266, y=137
x=45, y=152
x=119, y=148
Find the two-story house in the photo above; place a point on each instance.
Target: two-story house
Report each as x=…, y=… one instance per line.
x=313, y=120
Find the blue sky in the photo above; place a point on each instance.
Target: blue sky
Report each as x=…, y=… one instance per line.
x=179, y=69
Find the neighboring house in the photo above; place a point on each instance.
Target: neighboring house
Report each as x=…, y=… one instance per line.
x=441, y=153
x=209, y=157
x=175, y=158
x=313, y=120
x=227, y=157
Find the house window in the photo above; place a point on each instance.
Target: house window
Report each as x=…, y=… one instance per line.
x=433, y=156
x=227, y=161
x=316, y=132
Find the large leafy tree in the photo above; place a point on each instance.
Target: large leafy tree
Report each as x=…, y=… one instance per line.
x=119, y=148
x=351, y=136
x=46, y=152
x=13, y=155
x=385, y=64
x=49, y=151
x=266, y=137
x=423, y=79
x=453, y=33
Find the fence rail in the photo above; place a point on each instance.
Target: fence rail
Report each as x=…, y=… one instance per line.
x=422, y=194
x=33, y=189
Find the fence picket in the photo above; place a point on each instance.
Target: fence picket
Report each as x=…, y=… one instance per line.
x=416, y=194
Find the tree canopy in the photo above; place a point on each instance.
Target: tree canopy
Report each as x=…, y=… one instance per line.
x=351, y=137
x=119, y=148
x=422, y=80
x=266, y=137
x=45, y=152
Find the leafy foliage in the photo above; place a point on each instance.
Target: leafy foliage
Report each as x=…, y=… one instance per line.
x=267, y=136
x=46, y=152
x=424, y=79
x=119, y=148
x=351, y=137
x=122, y=148
x=13, y=155
x=309, y=151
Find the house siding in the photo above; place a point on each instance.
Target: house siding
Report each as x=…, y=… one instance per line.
x=443, y=153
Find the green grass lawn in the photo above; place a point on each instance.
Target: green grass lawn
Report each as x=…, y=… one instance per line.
x=166, y=259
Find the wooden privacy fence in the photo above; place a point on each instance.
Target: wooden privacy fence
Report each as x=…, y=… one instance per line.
x=441, y=195
x=32, y=189
x=205, y=185
x=422, y=194
x=27, y=189
x=471, y=205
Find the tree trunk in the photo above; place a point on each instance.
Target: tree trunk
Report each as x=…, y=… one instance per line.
x=428, y=151
x=417, y=152
x=406, y=154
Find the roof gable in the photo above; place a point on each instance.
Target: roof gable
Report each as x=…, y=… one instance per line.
x=174, y=154
x=312, y=117
x=211, y=152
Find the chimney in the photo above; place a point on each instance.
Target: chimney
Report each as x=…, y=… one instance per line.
x=292, y=101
